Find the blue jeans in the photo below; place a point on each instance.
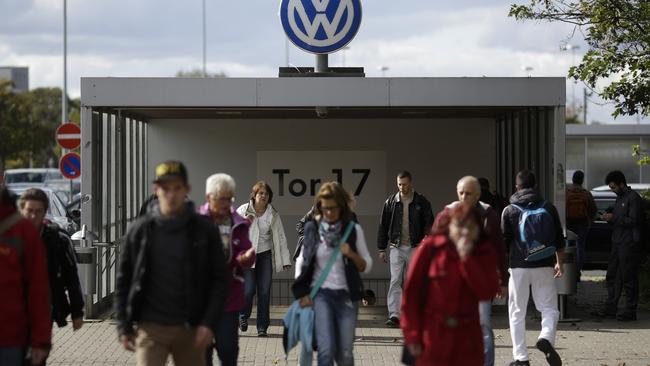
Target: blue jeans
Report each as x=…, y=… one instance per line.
x=258, y=280
x=335, y=318
x=485, y=314
x=226, y=340
x=11, y=356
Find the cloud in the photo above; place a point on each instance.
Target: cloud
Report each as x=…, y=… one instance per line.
x=160, y=37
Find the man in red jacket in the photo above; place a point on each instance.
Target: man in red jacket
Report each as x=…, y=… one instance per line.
x=25, y=308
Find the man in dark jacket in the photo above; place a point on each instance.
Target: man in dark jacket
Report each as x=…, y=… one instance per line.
x=623, y=266
x=527, y=273
x=405, y=219
x=65, y=288
x=172, y=279
x=23, y=271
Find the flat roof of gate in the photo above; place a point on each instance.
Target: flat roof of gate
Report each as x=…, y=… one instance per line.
x=161, y=97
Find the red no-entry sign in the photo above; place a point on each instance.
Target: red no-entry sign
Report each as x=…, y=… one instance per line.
x=68, y=136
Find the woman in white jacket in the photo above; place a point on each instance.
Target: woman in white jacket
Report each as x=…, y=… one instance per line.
x=270, y=243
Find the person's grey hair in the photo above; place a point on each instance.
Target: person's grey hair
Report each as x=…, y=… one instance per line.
x=218, y=183
x=471, y=180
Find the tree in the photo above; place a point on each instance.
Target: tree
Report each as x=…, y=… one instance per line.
x=618, y=35
x=196, y=73
x=14, y=124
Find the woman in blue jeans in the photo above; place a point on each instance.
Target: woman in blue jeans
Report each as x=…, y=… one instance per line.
x=337, y=302
x=270, y=243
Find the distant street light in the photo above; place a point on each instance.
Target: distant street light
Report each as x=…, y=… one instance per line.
x=383, y=70
x=205, y=73
x=572, y=48
x=527, y=70
x=343, y=54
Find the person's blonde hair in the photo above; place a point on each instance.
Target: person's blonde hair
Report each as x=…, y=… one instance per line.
x=334, y=191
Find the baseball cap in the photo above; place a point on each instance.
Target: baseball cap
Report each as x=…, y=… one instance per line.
x=170, y=170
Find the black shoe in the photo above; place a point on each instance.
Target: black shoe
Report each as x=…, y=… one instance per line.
x=626, y=317
x=262, y=333
x=243, y=325
x=392, y=322
x=552, y=357
x=519, y=363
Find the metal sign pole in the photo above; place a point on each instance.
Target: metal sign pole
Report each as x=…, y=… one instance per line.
x=322, y=63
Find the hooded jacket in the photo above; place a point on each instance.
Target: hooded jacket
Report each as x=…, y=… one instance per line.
x=628, y=217
x=25, y=318
x=510, y=227
x=280, y=250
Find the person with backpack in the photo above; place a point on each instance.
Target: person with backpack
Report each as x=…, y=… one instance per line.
x=333, y=256
x=65, y=289
x=25, y=317
x=580, y=212
x=628, y=221
x=532, y=231
x=451, y=271
x=172, y=278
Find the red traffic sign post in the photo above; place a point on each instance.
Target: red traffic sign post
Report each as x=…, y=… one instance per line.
x=70, y=165
x=68, y=136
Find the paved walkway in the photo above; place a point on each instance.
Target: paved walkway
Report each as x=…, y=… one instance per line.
x=590, y=342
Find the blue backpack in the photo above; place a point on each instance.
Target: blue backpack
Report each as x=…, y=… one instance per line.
x=536, y=232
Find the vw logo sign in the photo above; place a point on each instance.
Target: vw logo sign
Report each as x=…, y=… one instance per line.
x=320, y=26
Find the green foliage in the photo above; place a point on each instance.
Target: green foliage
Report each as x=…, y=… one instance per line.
x=618, y=34
x=196, y=73
x=28, y=121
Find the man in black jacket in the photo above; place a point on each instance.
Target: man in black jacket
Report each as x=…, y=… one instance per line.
x=65, y=289
x=528, y=273
x=401, y=229
x=172, y=279
x=623, y=266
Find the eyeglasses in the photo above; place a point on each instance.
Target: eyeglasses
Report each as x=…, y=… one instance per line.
x=329, y=208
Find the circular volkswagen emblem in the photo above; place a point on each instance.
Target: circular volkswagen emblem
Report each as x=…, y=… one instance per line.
x=320, y=26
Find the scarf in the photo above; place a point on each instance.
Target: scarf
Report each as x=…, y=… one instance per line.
x=330, y=233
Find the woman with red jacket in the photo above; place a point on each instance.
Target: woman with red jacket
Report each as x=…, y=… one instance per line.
x=23, y=276
x=457, y=270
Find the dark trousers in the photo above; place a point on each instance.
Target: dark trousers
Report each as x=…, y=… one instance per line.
x=258, y=280
x=622, y=275
x=226, y=340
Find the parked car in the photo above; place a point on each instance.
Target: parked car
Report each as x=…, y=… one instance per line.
x=57, y=211
x=31, y=175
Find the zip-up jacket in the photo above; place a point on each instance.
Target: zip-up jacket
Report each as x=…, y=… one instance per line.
x=279, y=250
x=628, y=217
x=239, y=243
x=204, y=271
x=390, y=222
x=510, y=228
x=25, y=318
x=302, y=284
x=65, y=288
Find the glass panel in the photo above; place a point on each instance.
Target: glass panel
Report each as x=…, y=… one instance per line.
x=607, y=155
x=575, y=156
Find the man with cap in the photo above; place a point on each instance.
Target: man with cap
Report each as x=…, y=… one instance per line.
x=172, y=278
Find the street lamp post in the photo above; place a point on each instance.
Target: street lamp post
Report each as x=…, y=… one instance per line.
x=383, y=70
x=572, y=48
x=64, y=92
x=205, y=74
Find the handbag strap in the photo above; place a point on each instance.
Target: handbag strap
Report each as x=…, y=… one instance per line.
x=330, y=262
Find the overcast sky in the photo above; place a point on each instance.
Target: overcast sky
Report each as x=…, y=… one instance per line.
x=245, y=39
